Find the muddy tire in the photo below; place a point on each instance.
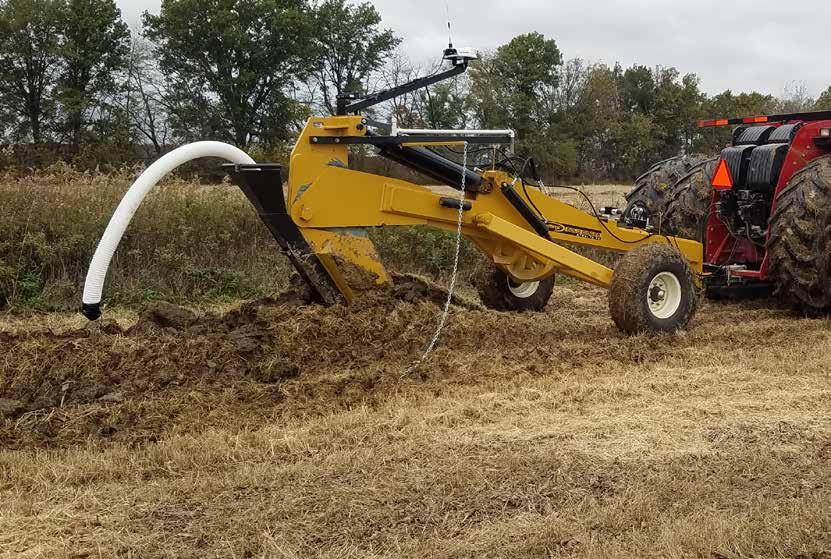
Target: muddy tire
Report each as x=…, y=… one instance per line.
x=649, y=196
x=688, y=205
x=799, y=245
x=652, y=291
x=500, y=293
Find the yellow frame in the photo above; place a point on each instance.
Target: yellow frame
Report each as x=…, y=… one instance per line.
x=332, y=205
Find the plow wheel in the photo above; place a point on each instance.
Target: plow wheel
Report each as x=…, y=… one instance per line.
x=500, y=292
x=800, y=238
x=648, y=199
x=652, y=291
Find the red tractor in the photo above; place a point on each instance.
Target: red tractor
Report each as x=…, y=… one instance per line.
x=762, y=208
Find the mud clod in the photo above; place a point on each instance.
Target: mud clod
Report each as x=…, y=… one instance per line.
x=162, y=314
x=110, y=327
x=248, y=338
x=106, y=431
x=282, y=369
x=10, y=408
x=83, y=393
x=112, y=398
x=411, y=288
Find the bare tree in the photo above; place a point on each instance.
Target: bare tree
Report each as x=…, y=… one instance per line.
x=795, y=98
x=405, y=110
x=573, y=78
x=144, y=101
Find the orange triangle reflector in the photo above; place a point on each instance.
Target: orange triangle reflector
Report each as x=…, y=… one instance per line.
x=722, y=180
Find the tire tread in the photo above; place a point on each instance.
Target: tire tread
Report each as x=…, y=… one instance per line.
x=800, y=236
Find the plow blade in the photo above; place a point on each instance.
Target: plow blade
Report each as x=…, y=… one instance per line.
x=262, y=184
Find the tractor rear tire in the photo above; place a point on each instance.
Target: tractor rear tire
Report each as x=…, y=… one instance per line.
x=649, y=197
x=688, y=205
x=500, y=293
x=652, y=291
x=799, y=245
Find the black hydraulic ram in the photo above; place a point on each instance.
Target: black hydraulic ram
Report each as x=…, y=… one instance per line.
x=534, y=220
x=448, y=172
x=432, y=165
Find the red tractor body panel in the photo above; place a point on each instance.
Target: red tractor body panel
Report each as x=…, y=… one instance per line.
x=722, y=246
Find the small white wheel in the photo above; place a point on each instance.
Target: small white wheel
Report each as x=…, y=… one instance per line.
x=501, y=292
x=523, y=290
x=664, y=295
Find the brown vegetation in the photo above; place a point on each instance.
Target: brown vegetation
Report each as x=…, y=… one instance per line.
x=187, y=241
x=284, y=430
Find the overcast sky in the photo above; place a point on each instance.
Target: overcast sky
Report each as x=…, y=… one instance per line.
x=783, y=42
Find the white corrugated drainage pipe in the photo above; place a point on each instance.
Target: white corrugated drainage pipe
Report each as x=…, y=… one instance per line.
x=91, y=307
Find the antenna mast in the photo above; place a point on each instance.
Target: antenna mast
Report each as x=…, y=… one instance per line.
x=449, y=30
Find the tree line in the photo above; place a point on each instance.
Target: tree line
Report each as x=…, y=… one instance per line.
x=77, y=84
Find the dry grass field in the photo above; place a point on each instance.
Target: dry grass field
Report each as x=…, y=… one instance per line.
x=282, y=430
x=275, y=429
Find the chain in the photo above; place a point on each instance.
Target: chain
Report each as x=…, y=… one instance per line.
x=452, y=287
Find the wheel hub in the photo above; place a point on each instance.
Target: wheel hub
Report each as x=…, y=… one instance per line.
x=657, y=294
x=664, y=295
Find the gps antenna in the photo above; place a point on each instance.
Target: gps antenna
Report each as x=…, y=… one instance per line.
x=449, y=30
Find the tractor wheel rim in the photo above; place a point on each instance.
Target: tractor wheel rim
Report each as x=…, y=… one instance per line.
x=523, y=290
x=664, y=295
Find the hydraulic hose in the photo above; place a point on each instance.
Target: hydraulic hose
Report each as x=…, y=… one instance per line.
x=91, y=302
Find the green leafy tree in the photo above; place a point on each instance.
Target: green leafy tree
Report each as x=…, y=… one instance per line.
x=30, y=61
x=595, y=121
x=230, y=63
x=637, y=90
x=94, y=52
x=444, y=106
x=677, y=110
x=350, y=45
x=824, y=101
x=515, y=86
x=728, y=105
x=635, y=142
x=671, y=104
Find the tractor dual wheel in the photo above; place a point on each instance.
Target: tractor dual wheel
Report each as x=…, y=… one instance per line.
x=648, y=199
x=500, y=292
x=688, y=205
x=799, y=245
x=652, y=291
